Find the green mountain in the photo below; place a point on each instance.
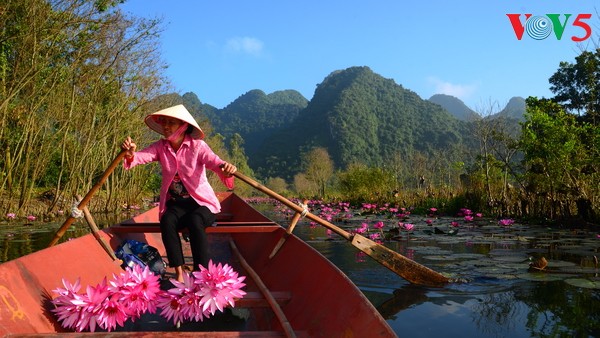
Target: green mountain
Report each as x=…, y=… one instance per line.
x=515, y=109
x=256, y=115
x=455, y=107
x=359, y=116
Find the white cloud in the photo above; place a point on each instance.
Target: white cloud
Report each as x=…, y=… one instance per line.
x=245, y=45
x=460, y=91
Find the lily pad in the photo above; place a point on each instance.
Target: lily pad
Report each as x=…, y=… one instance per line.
x=543, y=277
x=560, y=264
x=583, y=283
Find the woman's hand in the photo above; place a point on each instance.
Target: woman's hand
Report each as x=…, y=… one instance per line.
x=130, y=146
x=228, y=169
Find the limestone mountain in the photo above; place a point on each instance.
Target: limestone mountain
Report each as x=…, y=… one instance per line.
x=359, y=116
x=455, y=106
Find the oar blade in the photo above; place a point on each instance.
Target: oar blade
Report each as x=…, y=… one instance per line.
x=406, y=268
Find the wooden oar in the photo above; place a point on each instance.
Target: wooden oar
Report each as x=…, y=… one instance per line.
x=61, y=231
x=404, y=267
x=95, y=231
x=290, y=228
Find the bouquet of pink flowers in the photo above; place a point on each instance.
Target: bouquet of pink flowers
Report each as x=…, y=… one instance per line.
x=137, y=290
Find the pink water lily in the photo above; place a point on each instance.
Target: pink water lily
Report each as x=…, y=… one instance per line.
x=137, y=290
x=408, y=226
x=506, y=222
x=31, y=218
x=379, y=225
x=170, y=307
x=219, y=286
x=11, y=215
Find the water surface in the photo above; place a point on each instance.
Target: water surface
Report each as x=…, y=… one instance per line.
x=498, y=295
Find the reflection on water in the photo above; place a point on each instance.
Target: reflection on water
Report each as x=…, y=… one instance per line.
x=501, y=298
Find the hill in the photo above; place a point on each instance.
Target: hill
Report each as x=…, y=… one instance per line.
x=515, y=109
x=359, y=116
x=254, y=115
x=455, y=107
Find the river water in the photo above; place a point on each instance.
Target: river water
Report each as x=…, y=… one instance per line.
x=496, y=294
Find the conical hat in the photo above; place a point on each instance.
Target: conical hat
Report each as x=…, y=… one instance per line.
x=179, y=112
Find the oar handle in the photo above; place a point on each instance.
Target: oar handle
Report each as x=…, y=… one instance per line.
x=61, y=231
x=293, y=206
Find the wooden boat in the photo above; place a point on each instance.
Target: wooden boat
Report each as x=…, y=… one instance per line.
x=297, y=292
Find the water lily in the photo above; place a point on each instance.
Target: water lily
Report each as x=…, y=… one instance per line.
x=31, y=218
x=11, y=215
x=137, y=290
x=506, y=222
x=219, y=286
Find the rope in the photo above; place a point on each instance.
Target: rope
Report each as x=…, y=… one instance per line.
x=75, y=212
x=304, y=209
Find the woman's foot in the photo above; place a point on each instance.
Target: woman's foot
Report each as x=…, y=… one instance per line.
x=179, y=273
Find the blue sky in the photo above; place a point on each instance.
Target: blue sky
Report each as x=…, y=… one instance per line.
x=222, y=49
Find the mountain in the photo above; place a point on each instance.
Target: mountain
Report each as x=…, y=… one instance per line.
x=359, y=116
x=455, y=107
x=254, y=115
x=515, y=109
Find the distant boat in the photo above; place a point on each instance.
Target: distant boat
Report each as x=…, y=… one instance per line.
x=297, y=292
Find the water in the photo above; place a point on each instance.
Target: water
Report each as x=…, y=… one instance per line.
x=499, y=296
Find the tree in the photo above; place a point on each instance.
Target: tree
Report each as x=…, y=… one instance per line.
x=319, y=168
x=561, y=158
x=240, y=160
x=577, y=85
x=74, y=78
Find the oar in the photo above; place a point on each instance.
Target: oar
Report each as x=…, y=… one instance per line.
x=404, y=267
x=290, y=228
x=61, y=231
x=95, y=231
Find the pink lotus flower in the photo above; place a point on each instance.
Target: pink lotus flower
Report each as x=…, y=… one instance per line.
x=433, y=209
x=31, y=218
x=219, y=286
x=11, y=215
x=454, y=224
x=170, y=306
x=468, y=218
x=506, y=222
x=375, y=236
x=190, y=298
x=379, y=225
x=408, y=226
x=68, y=313
x=137, y=290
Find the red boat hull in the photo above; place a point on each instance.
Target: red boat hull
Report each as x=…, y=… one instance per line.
x=315, y=298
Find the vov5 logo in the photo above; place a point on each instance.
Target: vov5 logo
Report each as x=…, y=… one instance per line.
x=540, y=27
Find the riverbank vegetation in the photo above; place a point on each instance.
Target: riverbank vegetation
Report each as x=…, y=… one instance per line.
x=79, y=76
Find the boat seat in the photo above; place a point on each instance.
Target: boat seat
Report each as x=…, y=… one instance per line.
x=257, y=300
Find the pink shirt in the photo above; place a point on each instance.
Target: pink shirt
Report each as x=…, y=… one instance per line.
x=190, y=162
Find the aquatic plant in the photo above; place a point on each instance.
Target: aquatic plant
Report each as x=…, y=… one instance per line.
x=137, y=290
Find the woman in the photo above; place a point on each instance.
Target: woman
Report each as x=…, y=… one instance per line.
x=186, y=197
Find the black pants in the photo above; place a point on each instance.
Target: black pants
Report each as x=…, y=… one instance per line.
x=180, y=214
